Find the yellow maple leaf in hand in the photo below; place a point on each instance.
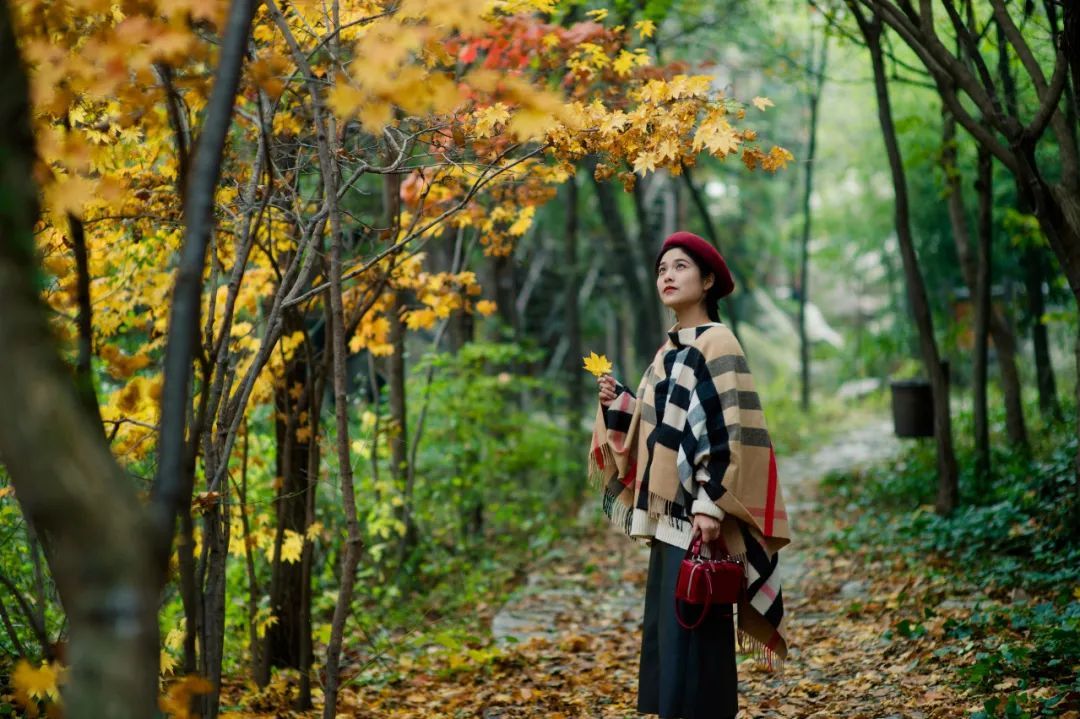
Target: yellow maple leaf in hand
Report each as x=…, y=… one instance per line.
x=597, y=364
x=762, y=102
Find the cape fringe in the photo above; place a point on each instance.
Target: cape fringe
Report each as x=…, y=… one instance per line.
x=598, y=475
x=660, y=507
x=618, y=512
x=764, y=657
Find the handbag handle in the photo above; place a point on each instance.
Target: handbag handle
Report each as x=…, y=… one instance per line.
x=704, y=611
x=695, y=546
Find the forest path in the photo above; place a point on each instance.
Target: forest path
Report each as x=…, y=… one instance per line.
x=570, y=635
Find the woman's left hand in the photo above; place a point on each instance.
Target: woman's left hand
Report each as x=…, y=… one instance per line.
x=709, y=527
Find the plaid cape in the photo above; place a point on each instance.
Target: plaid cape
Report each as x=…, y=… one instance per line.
x=695, y=428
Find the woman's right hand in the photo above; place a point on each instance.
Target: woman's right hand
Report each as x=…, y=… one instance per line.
x=607, y=389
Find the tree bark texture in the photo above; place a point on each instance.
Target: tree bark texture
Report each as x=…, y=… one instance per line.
x=1033, y=262
x=351, y=555
x=399, y=437
x=84, y=371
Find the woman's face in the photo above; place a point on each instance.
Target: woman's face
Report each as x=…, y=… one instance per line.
x=679, y=281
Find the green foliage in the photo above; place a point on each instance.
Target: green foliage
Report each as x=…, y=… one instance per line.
x=1050, y=649
x=26, y=581
x=495, y=472
x=792, y=430
x=494, y=456
x=1014, y=532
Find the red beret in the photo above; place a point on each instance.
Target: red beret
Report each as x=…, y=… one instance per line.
x=708, y=254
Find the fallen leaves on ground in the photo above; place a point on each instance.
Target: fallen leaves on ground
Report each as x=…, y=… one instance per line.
x=868, y=640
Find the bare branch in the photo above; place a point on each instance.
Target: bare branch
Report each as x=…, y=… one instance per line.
x=476, y=187
x=1048, y=106
x=170, y=490
x=1023, y=50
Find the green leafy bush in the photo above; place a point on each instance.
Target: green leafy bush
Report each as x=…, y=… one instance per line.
x=1014, y=536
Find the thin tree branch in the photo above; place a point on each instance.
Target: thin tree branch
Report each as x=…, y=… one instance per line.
x=24, y=607
x=170, y=491
x=84, y=371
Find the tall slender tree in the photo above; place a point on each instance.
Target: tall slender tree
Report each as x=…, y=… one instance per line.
x=872, y=28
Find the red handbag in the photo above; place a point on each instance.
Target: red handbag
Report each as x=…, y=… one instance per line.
x=708, y=581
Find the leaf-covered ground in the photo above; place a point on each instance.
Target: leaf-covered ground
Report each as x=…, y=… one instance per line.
x=870, y=636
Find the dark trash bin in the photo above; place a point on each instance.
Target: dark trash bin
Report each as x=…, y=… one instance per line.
x=913, y=408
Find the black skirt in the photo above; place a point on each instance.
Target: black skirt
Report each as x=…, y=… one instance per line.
x=684, y=673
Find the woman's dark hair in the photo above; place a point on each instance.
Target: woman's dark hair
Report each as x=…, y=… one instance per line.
x=712, y=295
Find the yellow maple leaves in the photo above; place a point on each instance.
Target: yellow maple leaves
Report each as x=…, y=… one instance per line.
x=176, y=702
x=646, y=28
x=597, y=364
x=292, y=547
x=717, y=136
x=41, y=682
x=486, y=119
x=110, y=152
x=33, y=684
x=627, y=61
x=423, y=318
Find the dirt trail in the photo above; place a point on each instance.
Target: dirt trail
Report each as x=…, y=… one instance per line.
x=555, y=592
x=570, y=643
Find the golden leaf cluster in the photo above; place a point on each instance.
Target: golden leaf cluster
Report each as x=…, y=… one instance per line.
x=489, y=106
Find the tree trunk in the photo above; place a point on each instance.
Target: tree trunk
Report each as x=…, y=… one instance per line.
x=571, y=318
x=216, y=543
x=1071, y=38
x=66, y=480
x=84, y=371
x=816, y=78
x=314, y=395
x=1033, y=262
x=502, y=271
x=948, y=491
x=294, y=430
x=399, y=437
x=351, y=555
x=981, y=297
x=634, y=271
x=1000, y=329
x=1031, y=259
x=649, y=227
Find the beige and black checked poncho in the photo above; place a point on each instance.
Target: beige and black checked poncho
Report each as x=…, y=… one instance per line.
x=693, y=439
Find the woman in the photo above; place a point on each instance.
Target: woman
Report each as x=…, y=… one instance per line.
x=689, y=454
